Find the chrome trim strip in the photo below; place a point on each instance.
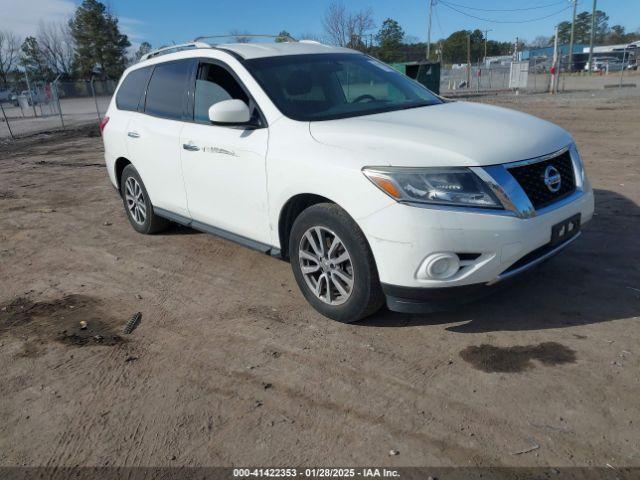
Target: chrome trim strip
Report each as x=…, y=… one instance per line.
x=537, y=261
x=507, y=189
x=578, y=167
x=531, y=161
x=510, y=192
x=459, y=208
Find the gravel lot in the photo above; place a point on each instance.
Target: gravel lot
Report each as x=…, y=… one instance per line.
x=230, y=366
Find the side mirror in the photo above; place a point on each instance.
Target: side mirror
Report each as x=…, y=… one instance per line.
x=230, y=112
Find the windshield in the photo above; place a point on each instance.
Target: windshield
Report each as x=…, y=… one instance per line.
x=328, y=86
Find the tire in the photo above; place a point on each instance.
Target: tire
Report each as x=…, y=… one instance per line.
x=140, y=213
x=328, y=221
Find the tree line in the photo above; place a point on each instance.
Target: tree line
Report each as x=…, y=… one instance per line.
x=90, y=43
x=390, y=43
x=357, y=29
x=603, y=33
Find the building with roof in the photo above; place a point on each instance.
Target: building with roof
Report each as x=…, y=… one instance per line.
x=547, y=52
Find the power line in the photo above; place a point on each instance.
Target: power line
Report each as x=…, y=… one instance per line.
x=506, y=9
x=504, y=21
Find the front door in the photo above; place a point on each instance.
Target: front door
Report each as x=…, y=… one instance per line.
x=224, y=166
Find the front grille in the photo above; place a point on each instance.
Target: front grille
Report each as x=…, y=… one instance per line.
x=531, y=179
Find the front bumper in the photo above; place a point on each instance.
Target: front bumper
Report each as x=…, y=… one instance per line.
x=427, y=300
x=402, y=236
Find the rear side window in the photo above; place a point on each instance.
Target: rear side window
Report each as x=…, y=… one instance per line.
x=167, y=90
x=132, y=88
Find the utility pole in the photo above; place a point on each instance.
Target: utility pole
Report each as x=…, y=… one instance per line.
x=593, y=28
x=486, y=38
x=573, y=27
x=429, y=30
x=554, y=65
x=468, y=61
x=624, y=55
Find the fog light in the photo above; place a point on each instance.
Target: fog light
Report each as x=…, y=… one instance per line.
x=442, y=265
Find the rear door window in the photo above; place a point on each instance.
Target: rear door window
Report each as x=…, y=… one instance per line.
x=132, y=89
x=167, y=90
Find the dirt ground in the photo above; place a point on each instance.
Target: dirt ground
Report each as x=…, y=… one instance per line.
x=230, y=366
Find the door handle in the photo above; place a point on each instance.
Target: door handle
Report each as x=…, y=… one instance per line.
x=190, y=147
x=133, y=134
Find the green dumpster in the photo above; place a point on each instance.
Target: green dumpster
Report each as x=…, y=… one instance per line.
x=426, y=73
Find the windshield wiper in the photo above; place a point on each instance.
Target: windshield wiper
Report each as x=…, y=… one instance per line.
x=414, y=105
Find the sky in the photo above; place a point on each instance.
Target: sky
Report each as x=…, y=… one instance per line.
x=166, y=21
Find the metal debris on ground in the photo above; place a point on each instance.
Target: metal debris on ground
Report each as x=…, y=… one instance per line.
x=534, y=446
x=133, y=323
x=394, y=452
x=83, y=325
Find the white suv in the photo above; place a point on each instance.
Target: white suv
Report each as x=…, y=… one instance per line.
x=373, y=187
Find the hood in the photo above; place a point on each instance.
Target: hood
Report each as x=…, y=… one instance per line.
x=448, y=134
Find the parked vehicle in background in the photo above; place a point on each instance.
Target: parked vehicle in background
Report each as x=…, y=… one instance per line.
x=604, y=64
x=373, y=188
x=30, y=98
x=540, y=65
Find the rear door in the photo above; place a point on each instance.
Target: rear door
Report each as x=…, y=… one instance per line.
x=128, y=99
x=153, y=135
x=224, y=166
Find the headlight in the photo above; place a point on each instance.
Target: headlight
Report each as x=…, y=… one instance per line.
x=457, y=186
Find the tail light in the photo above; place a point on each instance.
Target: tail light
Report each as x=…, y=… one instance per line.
x=103, y=123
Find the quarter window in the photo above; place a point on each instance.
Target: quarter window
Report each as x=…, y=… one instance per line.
x=214, y=84
x=167, y=90
x=132, y=88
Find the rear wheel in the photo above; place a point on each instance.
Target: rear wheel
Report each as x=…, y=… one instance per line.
x=333, y=264
x=137, y=204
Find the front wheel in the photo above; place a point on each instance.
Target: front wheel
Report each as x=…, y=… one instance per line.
x=333, y=264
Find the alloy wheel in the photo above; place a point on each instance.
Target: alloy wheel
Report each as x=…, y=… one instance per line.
x=326, y=265
x=135, y=201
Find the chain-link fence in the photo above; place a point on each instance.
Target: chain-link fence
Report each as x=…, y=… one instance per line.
x=54, y=105
x=474, y=79
x=531, y=77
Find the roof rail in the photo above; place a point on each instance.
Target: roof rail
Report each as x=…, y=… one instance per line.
x=175, y=48
x=287, y=38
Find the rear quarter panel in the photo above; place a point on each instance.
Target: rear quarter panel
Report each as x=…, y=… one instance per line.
x=113, y=139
